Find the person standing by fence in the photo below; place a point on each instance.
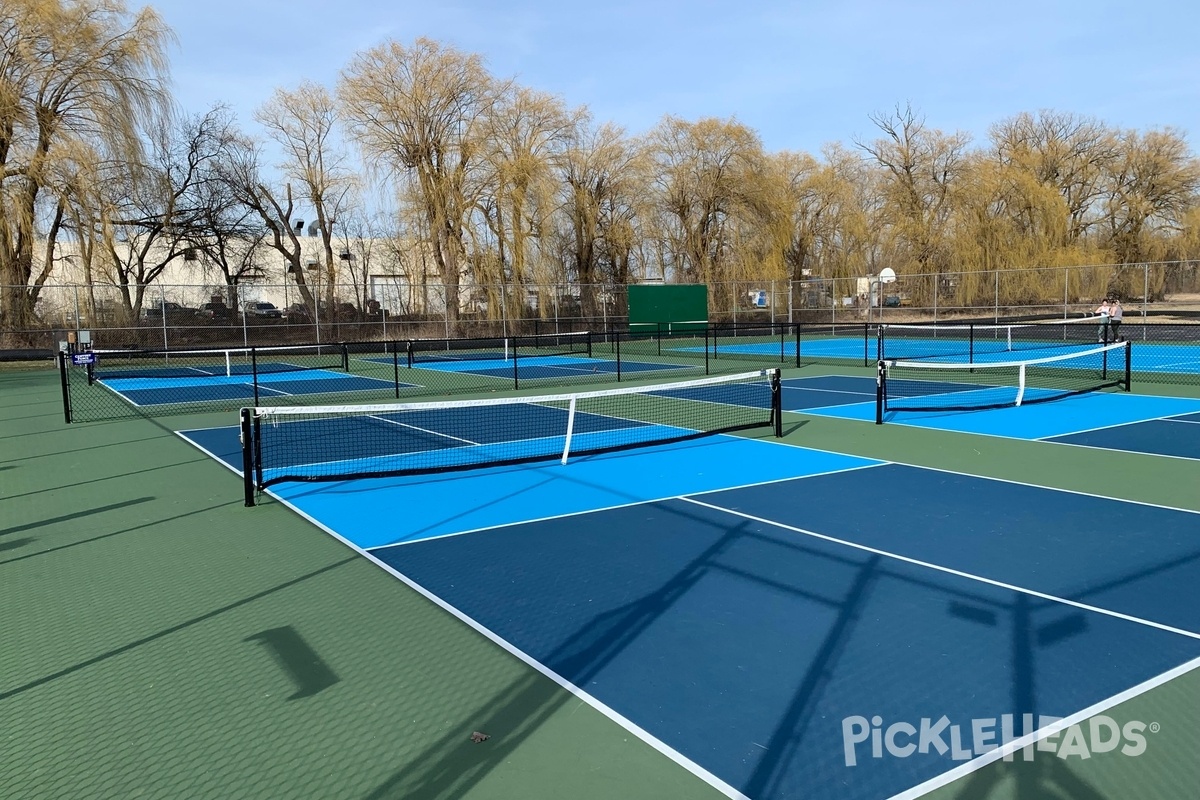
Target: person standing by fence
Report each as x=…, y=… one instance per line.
x=1115, y=313
x=1103, y=328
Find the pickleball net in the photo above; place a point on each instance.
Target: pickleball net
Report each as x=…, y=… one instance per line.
x=216, y=363
x=498, y=348
x=973, y=342
x=939, y=386
x=334, y=443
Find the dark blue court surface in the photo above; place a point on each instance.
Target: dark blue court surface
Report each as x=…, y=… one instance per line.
x=745, y=618
x=1165, y=437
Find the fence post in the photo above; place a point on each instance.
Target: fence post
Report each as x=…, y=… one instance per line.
x=997, y=317
x=1145, y=296
x=396, y=367
x=1066, y=291
x=66, y=385
x=937, y=285
x=162, y=306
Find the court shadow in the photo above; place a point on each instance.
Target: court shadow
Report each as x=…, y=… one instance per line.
x=165, y=632
x=795, y=426
x=111, y=534
x=296, y=657
x=57, y=487
x=15, y=544
x=106, y=446
x=74, y=516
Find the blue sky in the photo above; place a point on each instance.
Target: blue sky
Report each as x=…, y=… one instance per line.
x=802, y=74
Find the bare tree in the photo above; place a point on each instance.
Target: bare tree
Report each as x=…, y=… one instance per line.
x=303, y=123
x=710, y=181
x=158, y=212
x=1065, y=153
x=604, y=176
x=273, y=205
x=417, y=108
x=921, y=170
x=522, y=134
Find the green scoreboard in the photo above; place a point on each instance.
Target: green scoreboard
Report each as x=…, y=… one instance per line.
x=669, y=309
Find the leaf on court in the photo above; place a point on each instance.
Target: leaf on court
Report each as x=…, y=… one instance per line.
x=477, y=737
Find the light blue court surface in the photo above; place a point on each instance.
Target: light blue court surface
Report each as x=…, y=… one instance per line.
x=1061, y=418
x=456, y=502
x=738, y=600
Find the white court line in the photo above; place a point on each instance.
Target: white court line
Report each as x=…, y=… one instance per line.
x=631, y=504
x=1108, y=427
x=1184, y=421
x=629, y=725
x=1016, y=745
x=816, y=412
x=1151, y=453
x=422, y=430
x=830, y=391
x=694, y=768
x=948, y=570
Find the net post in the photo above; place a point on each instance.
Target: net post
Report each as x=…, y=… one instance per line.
x=617, y=348
x=1128, y=365
x=516, y=373
x=866, y=343
x=345, y=357
x=66, y=385
x=254, y=372
x=396, y=369
x=1104, y=363
x=570, y=430
x=880, y=390
x=247, y=437
x=797, y=344
x=588, y=338
x=258, y=460
x=879, y=343
x=971, y=343
x=777, y=401
x=706, y=332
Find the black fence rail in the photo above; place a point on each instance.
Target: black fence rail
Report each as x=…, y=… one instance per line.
x=109, y=384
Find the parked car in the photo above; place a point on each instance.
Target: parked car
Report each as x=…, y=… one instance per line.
x=215, y=312
x=300, y=313
x=262, y=310
x=174, y=312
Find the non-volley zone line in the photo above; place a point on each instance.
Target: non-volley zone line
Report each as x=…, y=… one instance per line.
x=801, y=616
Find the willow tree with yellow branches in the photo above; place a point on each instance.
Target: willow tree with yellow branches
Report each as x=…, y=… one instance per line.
x=78, y=83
